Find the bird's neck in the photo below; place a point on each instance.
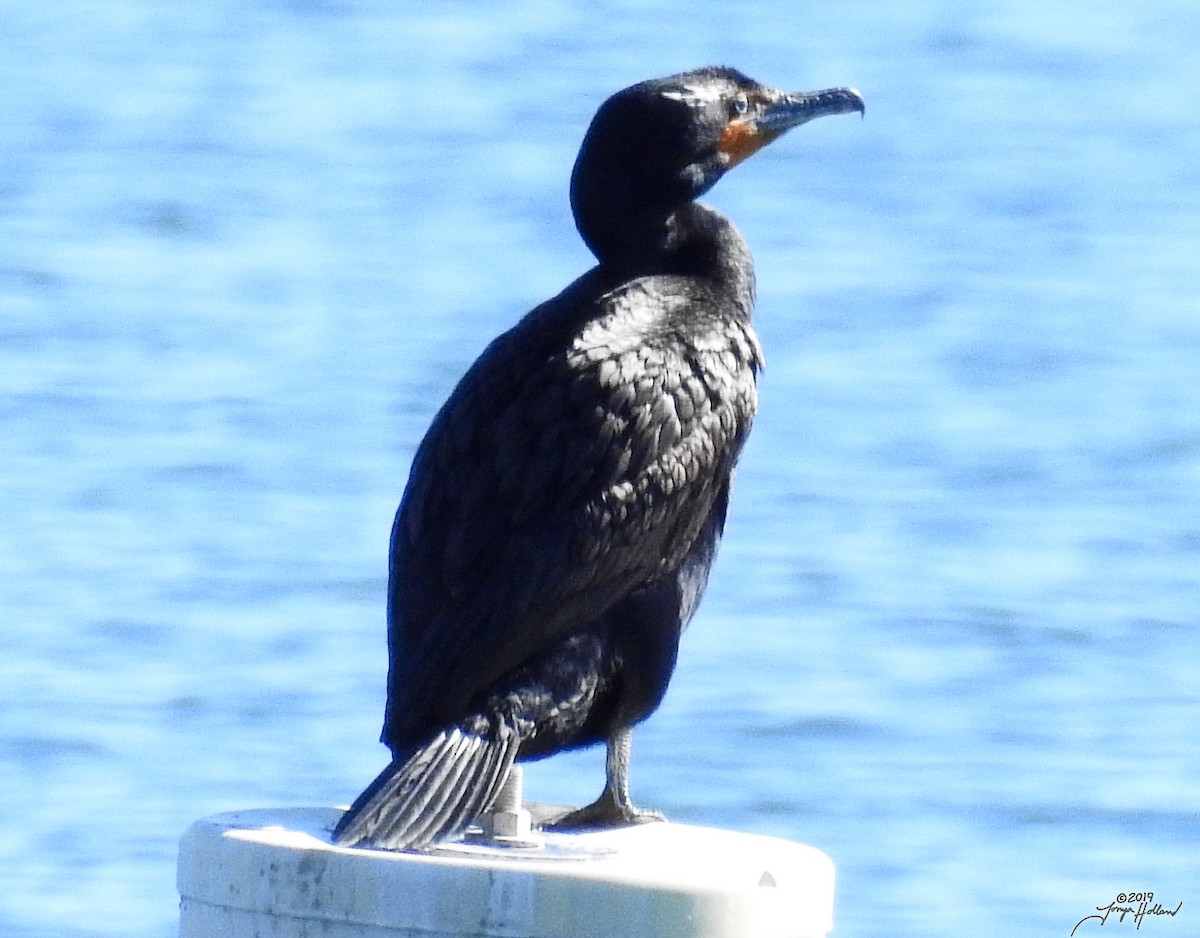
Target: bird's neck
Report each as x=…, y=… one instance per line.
x=691, y=240
x=702, y=242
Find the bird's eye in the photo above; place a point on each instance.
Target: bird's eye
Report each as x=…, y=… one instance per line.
x=739, y=106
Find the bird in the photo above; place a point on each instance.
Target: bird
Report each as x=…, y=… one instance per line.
x=564, y=509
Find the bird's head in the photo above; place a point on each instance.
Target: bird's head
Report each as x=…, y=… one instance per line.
x=661, y=143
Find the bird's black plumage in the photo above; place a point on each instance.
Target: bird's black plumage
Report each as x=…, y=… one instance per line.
x=564, y=509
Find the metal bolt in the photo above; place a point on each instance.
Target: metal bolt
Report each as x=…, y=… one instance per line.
x=506, y=821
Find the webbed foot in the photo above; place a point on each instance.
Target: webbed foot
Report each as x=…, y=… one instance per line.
x=613, y=808
x=605, y=811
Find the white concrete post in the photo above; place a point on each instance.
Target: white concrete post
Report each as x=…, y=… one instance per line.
x=274, y=874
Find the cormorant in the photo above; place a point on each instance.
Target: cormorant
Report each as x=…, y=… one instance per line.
x=564, y=509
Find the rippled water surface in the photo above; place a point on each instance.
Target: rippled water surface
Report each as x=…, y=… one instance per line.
x=246, y=250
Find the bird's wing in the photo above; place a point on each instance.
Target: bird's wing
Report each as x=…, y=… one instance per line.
x=573, y=463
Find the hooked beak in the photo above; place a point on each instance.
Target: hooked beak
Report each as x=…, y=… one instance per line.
x=769, y=118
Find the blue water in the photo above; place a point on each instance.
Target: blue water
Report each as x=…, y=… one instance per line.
x=247, y=248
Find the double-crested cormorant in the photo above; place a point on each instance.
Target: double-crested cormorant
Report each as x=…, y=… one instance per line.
x=563, y=510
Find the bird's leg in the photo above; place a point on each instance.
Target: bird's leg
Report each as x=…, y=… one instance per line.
x=613, y=807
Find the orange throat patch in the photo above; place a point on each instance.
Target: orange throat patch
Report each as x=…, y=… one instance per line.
x=740, y=140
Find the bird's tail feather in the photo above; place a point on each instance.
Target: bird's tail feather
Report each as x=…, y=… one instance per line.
x=432, y=795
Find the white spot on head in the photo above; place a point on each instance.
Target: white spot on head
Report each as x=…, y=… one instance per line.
x=706, y=93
